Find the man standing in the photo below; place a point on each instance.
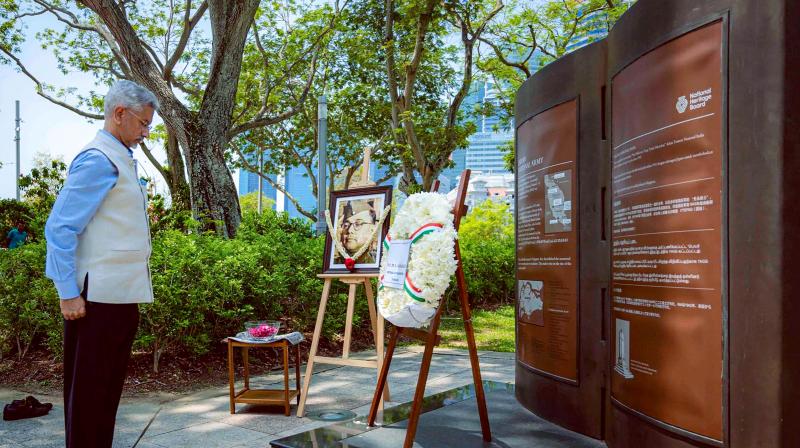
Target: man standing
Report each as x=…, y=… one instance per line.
x=17, y=236
x=98, y=249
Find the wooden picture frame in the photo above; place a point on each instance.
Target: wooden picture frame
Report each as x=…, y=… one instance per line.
x=359, y=207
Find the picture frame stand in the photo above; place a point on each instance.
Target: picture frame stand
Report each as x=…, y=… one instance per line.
x=376, y=322
x=431, y=339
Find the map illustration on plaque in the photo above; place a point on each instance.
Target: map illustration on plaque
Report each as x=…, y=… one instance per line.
x=531, y=303
x=558, y=197
x=623, y=365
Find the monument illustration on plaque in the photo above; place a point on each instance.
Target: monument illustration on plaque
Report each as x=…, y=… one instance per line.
x=623, y=366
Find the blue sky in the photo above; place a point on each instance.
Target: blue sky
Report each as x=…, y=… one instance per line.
x=46, y=127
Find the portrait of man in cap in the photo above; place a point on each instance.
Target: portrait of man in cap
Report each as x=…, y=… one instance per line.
x=356, y=223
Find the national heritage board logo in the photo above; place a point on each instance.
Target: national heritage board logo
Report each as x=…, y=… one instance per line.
x=682, y=104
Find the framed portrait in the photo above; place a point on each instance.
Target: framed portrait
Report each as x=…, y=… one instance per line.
x=355, y=215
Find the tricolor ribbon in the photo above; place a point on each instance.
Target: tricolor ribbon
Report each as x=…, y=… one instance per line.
x=408, y=286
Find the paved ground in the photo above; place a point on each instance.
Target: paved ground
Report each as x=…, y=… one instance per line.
x=203, y=418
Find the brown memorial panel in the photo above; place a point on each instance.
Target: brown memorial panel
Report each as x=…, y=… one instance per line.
x=547, y=242
x=667, y=115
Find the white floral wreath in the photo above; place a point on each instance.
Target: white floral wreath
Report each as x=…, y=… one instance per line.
x=427, y=220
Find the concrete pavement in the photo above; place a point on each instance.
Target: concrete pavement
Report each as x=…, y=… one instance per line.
x=203, y=418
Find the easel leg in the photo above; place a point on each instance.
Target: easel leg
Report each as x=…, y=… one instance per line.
x=377, y=330
x=480, y=397
x=382, y=377
x=348, y=326
x=326, y=289
x=419, y=394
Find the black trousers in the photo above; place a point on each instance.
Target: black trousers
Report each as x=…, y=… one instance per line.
x=96, y=352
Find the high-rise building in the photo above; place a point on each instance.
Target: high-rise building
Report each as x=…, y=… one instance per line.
x=248, y=182
x=484, y=152
x=297, y=183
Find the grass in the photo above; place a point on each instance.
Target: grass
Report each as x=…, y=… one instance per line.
x=494, y=330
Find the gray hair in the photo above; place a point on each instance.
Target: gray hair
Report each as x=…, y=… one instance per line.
x=129, y=95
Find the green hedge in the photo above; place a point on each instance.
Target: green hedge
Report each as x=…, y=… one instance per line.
x=486, y=239
x=29, y=308
x=206, y=287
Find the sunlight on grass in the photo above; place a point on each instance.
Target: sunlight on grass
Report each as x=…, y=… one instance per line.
x=494, y=330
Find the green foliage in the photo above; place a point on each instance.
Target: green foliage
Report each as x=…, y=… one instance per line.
x=206, y=286
x=40, y=187
x=249, y=202
x=163, y=218
x=28, y=301
x=39, y=190
x=486, y=239
x=529, y=35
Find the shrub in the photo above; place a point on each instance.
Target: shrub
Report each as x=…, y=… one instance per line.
x=486, y=239
x=29, y=306
x=206, y=287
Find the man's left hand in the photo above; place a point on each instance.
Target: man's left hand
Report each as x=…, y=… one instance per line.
x=74, y=308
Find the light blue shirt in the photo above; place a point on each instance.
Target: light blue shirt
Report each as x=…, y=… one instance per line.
x=91, y=176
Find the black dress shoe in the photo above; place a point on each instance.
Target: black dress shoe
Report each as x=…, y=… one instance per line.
x=20, y=409
x=33, y=402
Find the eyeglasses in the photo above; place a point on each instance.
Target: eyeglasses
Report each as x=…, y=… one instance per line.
x=142, y=121
x=355, y=225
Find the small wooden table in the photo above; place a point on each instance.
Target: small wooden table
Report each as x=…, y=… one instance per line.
x=263, y=396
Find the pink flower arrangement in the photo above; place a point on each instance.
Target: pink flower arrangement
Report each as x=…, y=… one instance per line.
x=262, y=331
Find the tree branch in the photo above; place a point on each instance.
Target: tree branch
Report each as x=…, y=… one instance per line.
x=260, y=120
x=249, y=166
x=411, y=76
x=188, y=27
x=152, y=53
x=152, y=159
x=29, y=14
x=142, y=67
x=499, y=53
x=109, y=69
x=419, y=47
x=185, y=88
x=40, y=89
x=74, y=22
x=388, y=42
x=469, y=43
x=307, y=162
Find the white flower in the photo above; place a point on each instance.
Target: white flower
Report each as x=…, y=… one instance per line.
x=431, y=261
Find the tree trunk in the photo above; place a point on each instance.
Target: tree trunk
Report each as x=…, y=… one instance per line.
x=215, y=201
x=176, y=179
x=156, y=356
x=428, y=178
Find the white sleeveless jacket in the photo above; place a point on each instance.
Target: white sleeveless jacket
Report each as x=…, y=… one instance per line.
x=114, y=249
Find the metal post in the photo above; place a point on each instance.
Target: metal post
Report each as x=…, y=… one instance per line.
x=16, y=139
x=260, y=179
x=322, y=173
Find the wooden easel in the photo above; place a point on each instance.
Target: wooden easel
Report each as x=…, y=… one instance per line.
x=431, y=338
x=376, y=321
